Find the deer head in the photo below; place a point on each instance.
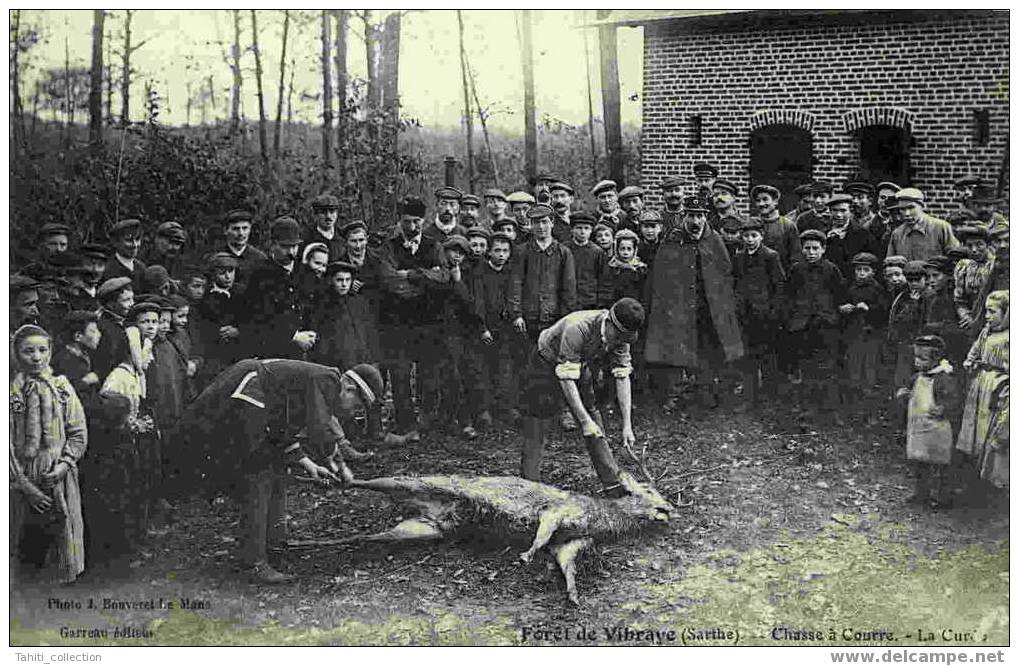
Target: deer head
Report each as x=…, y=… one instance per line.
x=643, y=500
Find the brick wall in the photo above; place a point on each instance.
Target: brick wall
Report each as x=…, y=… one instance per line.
x=829, y=74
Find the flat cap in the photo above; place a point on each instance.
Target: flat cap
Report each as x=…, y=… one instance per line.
x=705, y=169
x=470, y=199
x=447, y=192
x=560, y=185
x=968, y=180
x=337, y=266
x=695, y=204
x=630, y=191
x=649, y=217
x=173, y=230
x=802, y=190
x=457, y=241
x=94, y=251
x=155, y=276
x=864, y=259
x=538, y=211
x=413, y=207
x=984, y=193
x=325, y=202
x=725, y=184
x=940, y=263
x=582, y=217
x=672, y=181
x=113, y=286
x=142, y=307
x=221, y=260
x=285, y=230
x=495, y=193
x=238, y=215
x=623, y=234
x=896, y=260
x=887, y=185
x=478, y=230
x=770, y=190
x=126, y=227
x=353, y=226
x=20, y=283
x=604, y=186
x=503, y=223
x=54, y=229
x=546, y=176
x=859, y=187
x=907, y=197
x=840, y=198
x=520, y=197
x=627, y=315
x=820, y=187
x=915, y=269
x=501, y=236
x=957, y=253
x=977, y=231
x=752, y=224
x=932, y=341
x=813, y=235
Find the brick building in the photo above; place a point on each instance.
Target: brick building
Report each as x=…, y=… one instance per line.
x=916, y=97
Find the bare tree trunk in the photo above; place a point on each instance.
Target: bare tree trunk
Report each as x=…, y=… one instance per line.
x=390, y=75
x=327, y=91
x=212, y=97
x=610, y=99
x=279, y=95
x=342, y=28
x=530, y=122
x=238, y=80
x=19, y=114
x=290, y=94
x=373, y=57
x=69, y=95
x=263, y=137
x=108, y=67
x=188, y=105
x=590, y=109
x=35, y=106
x=95, y=93
x=467, y=103
x=484, y=127
x=125, y=71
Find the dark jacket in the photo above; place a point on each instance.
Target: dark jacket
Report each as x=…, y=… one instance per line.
x=783, y=237
x=217, y=310
x=336, y=244
x=860, y=322
x=590, y=263
x=841, y=250
x=347, y=331
x=247, y=262
x=116, y=269
x=814, y=291
x=760, y=284
x=492, y=295
x=75, y=364
x=411, y=301
x=544, y=286
x=112, y=344
x=624, y=281
x=431, y=230
x=273, y=310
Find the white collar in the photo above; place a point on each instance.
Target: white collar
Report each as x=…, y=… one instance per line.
x=219, y=290
x=235, y=251
x=125, y=262
x=330, y=235
x=494, y=268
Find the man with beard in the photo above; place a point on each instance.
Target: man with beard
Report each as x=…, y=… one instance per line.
x=818, y=216
x=126, y=239
x=237, y=232
x=495, y=207
x=726, y=220
x=605, y=193
x=704, y=176
x=672, y=195
x=691, y=309
x=446, y=222
x=866, y=219
x=325, y=212
x=166, y=249
x=52, y=242
x=470, y=209
x=780, y=234
x=542, y=187
x=23, y=309
x=984, y=203
x=631, y=200
x=562, y=200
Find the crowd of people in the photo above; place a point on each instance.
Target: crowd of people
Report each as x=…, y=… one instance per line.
x=142, y=369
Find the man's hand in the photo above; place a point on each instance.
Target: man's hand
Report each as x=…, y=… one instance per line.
x=846, y=309
x=486, y=337
x=53, y=477
x=590, y=428
x=520, y=325
x=355, y=286
x=628, y=437
x=37, y=499
x=454, y=272
x=228, y=332
x=318, y=473
x=903, y=393
x=90, y=379
x=305, y=339
x=965, y=320
x=863, y=306
x=192, y=368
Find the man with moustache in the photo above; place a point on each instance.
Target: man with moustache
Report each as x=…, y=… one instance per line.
x=167, y=249
x=704, y=176
x=780, y=234
x=672, y=195
x=561, y=196
x=446, y=221
x=542, y=187
x=605, y=193
x=470, y=210
x=631, y=201
x=726, y=220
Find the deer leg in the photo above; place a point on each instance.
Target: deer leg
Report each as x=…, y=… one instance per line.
x=412, y=530
x=548, y=523
x=566, y=556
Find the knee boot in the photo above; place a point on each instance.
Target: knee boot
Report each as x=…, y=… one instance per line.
x=534, y=448
x=603, y=461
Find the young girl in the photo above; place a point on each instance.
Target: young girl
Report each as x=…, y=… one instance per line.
x=47, y=439
x=987, y=400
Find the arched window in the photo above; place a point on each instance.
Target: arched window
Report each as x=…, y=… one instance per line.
x=884, y=154
x=782, y=156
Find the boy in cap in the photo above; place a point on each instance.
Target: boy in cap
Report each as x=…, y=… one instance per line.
x=520, y=203
x=73, y=359
x=603, y=237
x=544, y=285
x=236, y=237
x=217, y=318
x=477, y=238
x=780, y=234
x=933, y=406
x=814, y=291
x=894, y=277
x=561, y=364
x=845, y=240
x=446, y=222
x=650, y=227
x=167, y=248
x=325, y=214
x=864, y=315
x=509, y=228
x=501, y=348
x=759, y=283
x=942, y=319
x=970, y=277
x=589, y=262
x=126, y=239
x=907, y=317
x=817, y=217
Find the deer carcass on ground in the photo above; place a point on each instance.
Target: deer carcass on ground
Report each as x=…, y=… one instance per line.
x=510, y=510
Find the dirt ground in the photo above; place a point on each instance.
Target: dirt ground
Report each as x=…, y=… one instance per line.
x=780, y=524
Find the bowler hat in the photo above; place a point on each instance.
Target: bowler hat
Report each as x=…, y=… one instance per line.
x=285, y=231
x=325, y=202
x=412, y=207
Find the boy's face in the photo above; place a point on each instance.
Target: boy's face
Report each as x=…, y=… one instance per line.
x=765, y=203
x=224, y=278
x=924, y=358
x=237, y=233
x=90, y=336
x=195, y=289
x=341, y=282
x=123, y=302
x=495, y=206
x=479, y=246
x=751, y=239
x=626, y=249
x=455, y=256
x=510, y=230
x=994, y=313
x=519, y=211
x=581, y=233
x=863, y=272
x=317, y=262
x=165, y=322
x=650, y=231
x=542, y=228
x=894, y=276
x=180, y=318
x=603, y=238
x=977, y=248
x=813, y=250
x=357, y=242
x=936, y=279
x=148, y=324
x=819, y=200
x=500, y=253
x=917, y=282
x=841, y=213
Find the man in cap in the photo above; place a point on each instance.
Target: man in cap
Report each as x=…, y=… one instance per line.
x=845, y=240
x=725, y=219
x=217, y=317
x=274, y=315
x=964, y=187
x=886, y=192
x=561, y=197
x=704, y=176
x=84, y=276
x=818, y=217
x=52, y=241
x=631, y=200
x=920, y=236
x=249, y=420
x=864, y=217
x=413, y=268
x=605, y=193
x=325, y=212
x=520, y=203
x=126, y=239
x=366, y=261
x=541, y=187
x=802, y=193
x=495, y=206
x=23, y=308
x=971, y=276
x=691, y=306
x=672, y=197
x=984, y=204
x=544, y=284
x=780, y=234
x=446, y=222
x=470, y=210
x=565, y=358
x=116, y=298
x=237, y=234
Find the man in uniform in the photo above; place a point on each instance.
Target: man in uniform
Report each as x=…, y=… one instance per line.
x=237, y=233
x=254, y=413
x=691, y=305
x=631, y=200
x=562, y=203
x=446, y=222
x=167, y=249
x=704, y=176
x=780, y=234
x=126, y=239
x=562, y=363
x=325, y=211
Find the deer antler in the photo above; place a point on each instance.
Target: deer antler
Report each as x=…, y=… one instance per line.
x=640, y=461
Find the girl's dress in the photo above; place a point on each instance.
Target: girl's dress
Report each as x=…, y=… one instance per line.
x=47, y=426
x=985, y=402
